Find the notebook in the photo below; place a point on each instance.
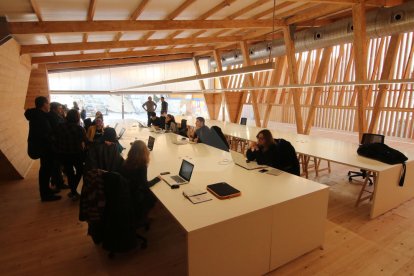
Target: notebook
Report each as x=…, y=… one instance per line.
x=151, y=141
x=222, y=190
x=121, y=133
x=183, y=177
x=240, y=159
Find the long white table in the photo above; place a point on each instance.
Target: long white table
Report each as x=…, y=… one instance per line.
x=275, y=220
x=387, y=193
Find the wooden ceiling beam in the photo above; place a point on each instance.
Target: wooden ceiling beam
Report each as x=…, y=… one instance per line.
x=376, y=3
x=315, y=12
x=63, y=47
x=140, y=25
x=91, y=10
x=113, y=55
x=137, y=12
x=270, y=11
x=220, y=6
x=104, y=63
x=36, y=10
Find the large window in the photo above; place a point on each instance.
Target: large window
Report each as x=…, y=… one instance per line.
x=91, y=89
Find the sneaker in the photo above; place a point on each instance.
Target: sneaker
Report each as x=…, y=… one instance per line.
x=51, y=198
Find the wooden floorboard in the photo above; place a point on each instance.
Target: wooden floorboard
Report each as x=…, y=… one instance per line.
x=47, y=238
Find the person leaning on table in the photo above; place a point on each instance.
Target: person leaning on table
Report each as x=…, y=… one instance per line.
x=200, y=133
x=276, y=153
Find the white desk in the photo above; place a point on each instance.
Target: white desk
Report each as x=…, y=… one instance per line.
x=387, y=195
x=275, y=220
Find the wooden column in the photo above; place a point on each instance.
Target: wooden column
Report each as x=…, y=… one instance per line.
x=271, y=96
x=293, y=76
x=250, y=82
x=386, y=73
x=323, y=68
x=38, y=85
x=360, y=52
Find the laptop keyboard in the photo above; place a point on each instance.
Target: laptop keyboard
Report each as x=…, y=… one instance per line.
x=178, y=179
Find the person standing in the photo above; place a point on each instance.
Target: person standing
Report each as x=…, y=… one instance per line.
x=149, y=106
x=40, y=142
x=71, y=140
x=164, y=106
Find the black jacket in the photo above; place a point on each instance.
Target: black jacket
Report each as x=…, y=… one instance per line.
x=281, y=155
x=40, y=139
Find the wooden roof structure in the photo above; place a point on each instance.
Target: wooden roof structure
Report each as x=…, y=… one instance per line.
x=88, y=33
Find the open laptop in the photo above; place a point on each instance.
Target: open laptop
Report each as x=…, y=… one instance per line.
x=116, y=125
x=177, y=140
x=121, y=133
x=183, y=177
x=142, y=125
x=240, y=159
x=151, y=141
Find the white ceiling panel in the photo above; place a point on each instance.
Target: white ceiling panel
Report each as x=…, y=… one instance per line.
x=141, y=48
x=198, y=8
x=68, y=53
x=95, y=37
x=132, y=35
x=116, y=50
x=66, y=38
x=42, y=55
x=115, y=10
x=162, y=47
x=185, y=34
x=63, y=10
x=31, y=39
x=160, y=9
x=161, y=35
x=93, y=51
x=21, y=17
x=257, y=10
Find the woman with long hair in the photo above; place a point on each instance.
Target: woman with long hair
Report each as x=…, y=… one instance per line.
x=276, y=153
x=135, y=170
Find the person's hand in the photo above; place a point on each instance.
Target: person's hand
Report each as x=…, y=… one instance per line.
x=253, y=146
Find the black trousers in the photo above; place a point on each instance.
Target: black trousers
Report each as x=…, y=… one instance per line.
x=73, y=166
x=149, y=118
x=45, y=173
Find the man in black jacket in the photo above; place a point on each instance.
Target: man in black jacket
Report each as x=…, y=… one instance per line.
x=40, y=142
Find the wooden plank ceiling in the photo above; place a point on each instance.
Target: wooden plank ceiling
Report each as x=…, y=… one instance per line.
x=88, y=33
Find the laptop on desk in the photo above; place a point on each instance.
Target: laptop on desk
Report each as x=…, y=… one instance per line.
x=240, y=159
x=121, y=133
x=183, y=177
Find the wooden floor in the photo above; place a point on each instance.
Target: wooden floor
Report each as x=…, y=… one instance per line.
x=47, y=238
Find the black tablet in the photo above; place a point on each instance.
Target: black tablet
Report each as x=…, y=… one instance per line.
x=222, y=190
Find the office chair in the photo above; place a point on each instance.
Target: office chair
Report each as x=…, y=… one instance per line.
x=243, y=121
x=183, y=128
x=367, y=138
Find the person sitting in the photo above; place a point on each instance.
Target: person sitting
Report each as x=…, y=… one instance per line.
x=95, y=132
x=163, y=118
x=106, y=154
x=154, y=120
x=200, y=133
x=276, y=153
x=135, y=170
x=217, y=139
x=170, y=123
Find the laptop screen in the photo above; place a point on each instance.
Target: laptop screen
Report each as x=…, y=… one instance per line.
x=186, y=170
x=151, y=141
x=121, y=133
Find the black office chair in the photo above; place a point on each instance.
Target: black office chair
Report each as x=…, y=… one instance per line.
x=243, y=121
x=367, y=138
x=183, y=128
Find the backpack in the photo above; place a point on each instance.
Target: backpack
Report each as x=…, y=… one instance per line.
x=386, y=154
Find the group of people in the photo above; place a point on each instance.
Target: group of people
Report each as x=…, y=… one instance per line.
x=63, y=145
